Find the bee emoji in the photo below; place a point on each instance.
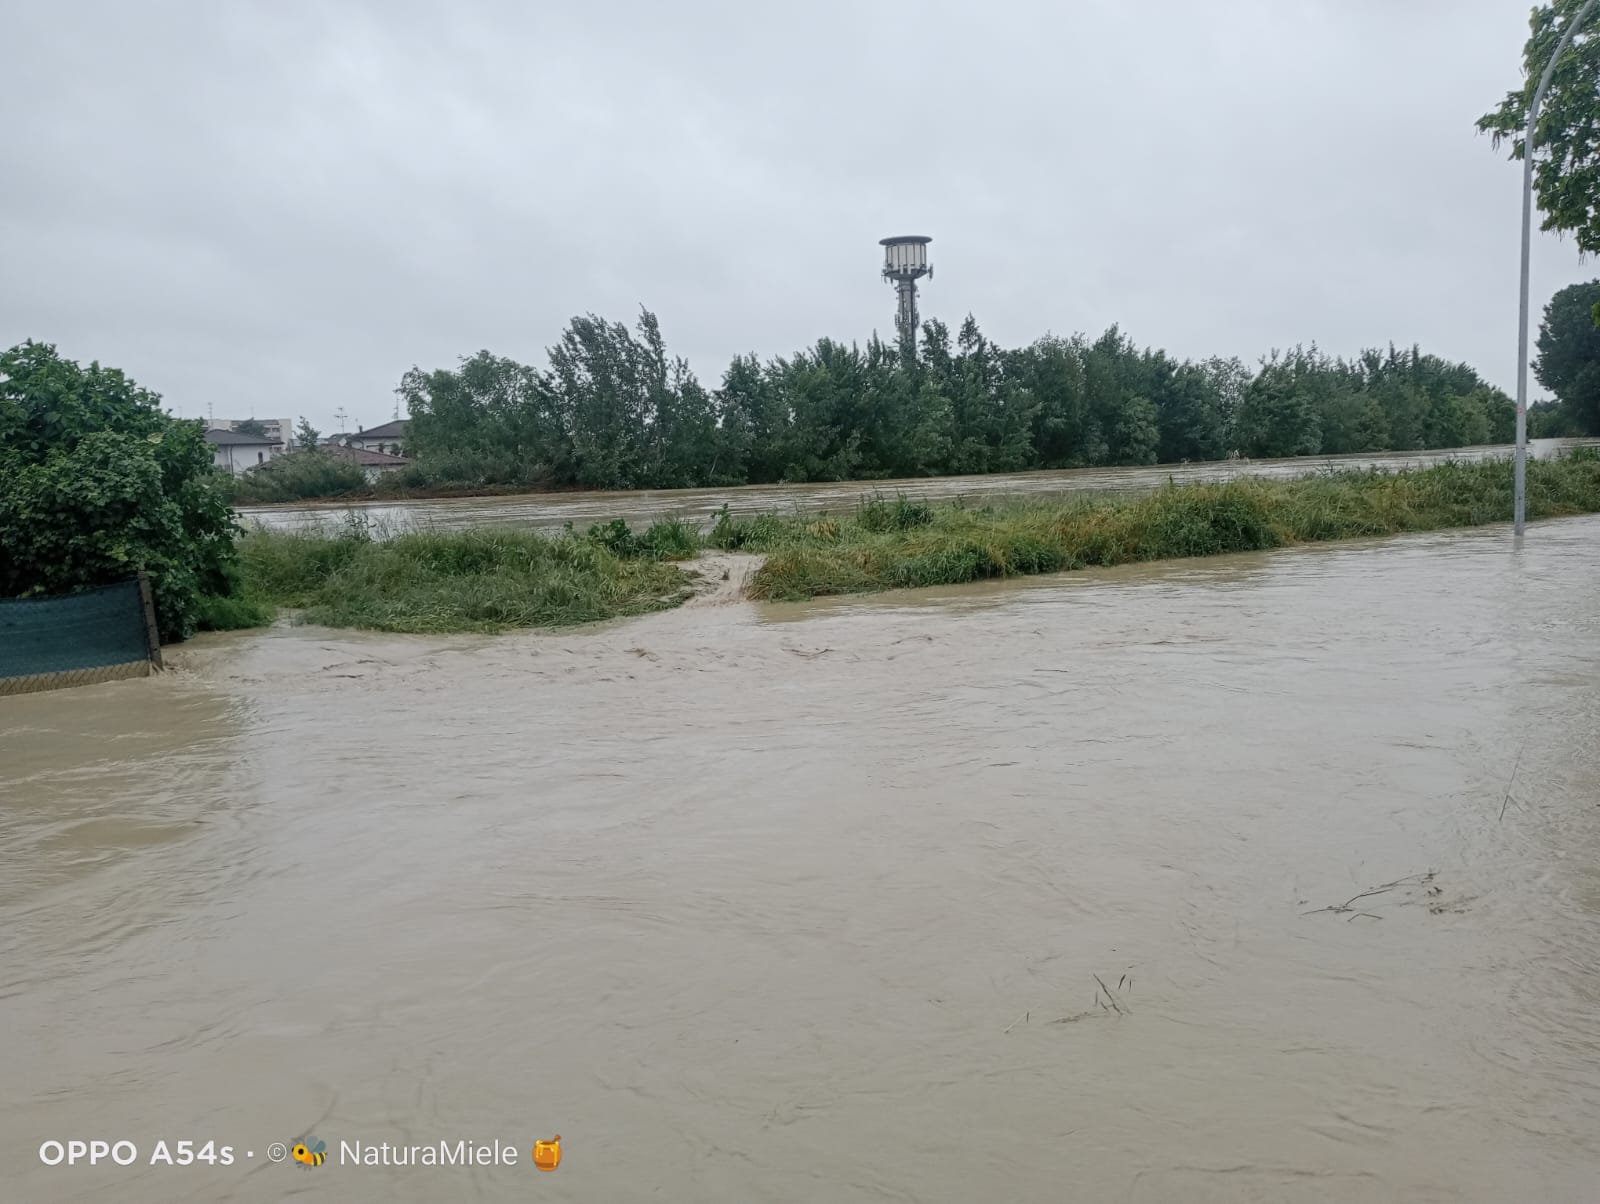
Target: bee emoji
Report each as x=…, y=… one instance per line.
x=308, y=1151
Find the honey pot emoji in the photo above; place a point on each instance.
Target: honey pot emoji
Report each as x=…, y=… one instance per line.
x=547, y=1154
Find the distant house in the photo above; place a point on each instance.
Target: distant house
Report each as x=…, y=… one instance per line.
x=388, y=438
x=372, y=464
x=277, y=429
x=235, y=453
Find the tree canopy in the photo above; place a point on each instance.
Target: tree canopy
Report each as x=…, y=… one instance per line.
x=1566, y=146
x=1568, y=362
x=613, y=410
x=96, y=482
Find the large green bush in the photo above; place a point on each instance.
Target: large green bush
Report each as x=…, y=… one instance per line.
x=97, y=482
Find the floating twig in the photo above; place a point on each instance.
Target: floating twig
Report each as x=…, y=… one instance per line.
x=1348, y=905
x=1511, y=783
x=1115, y=1005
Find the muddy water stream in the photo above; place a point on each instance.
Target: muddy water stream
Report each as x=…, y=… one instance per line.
x=814, y=902
x=552, y=510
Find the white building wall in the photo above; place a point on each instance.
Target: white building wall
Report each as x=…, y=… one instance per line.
x=237, y=458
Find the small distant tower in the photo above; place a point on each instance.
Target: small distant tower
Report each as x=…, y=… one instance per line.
x=905, y=261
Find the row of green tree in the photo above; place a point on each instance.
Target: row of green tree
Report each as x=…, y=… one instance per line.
x=613, y=410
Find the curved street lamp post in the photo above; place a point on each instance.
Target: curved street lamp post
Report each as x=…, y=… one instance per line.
x=1520, y=506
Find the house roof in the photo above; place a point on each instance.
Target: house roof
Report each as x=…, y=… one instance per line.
x=389, y=430
x=235, y=438
x=366, y=459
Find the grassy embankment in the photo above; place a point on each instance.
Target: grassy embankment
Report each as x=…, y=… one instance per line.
x=487, y=580
x=477, y=580
x=896, y=544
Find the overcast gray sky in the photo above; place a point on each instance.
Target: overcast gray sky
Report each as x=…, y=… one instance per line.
x=279, y=207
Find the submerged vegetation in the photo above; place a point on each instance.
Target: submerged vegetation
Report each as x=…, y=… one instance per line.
x=478, y=580
x=297, y=475
x=898, y=544
x=493, y=579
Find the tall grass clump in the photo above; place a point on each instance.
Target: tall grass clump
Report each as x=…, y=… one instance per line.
x=665, y=539
x=878, y=513
x=218, y=613
x=436, y=581
x=756, y=533
x=878, y=549
x=298, y=476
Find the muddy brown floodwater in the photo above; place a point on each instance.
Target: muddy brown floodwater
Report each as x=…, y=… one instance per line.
x=795, y=903
x=552, y=510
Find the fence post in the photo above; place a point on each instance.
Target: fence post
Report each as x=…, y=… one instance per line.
x=152, y=634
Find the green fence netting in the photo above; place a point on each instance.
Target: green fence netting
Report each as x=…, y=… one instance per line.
x=74, y=639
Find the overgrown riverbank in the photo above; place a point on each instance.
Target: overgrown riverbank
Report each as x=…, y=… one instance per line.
x=493, y=579
x=482, y=580
x=902, y=543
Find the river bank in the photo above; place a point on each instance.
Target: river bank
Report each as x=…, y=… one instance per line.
x=581, y=508
x=494, y=579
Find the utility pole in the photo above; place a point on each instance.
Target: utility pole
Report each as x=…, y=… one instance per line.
x=1519, y=509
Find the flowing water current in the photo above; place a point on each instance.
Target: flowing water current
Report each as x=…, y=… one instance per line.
x=551, y=511
x=1267, y=878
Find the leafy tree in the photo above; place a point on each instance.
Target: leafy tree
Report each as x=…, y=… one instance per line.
x=1193, y=416
x=307, y=437
x=1277, y=416
x=97, y=482
x=1567, y=132
x=1052, y=373
x=1228, y=379
x=991, y=426
x=1352, y=421
x=1134, y=436
x=251, y=426
x=489, y=420
x=753, y=426
x=601, y=377
x=1550, y=420
x=1568, y=362
x=615, y=410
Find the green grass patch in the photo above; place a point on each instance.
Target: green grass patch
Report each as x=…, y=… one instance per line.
x=896, y=544
x=492, y=579
x=478, y=580
x=215, y=613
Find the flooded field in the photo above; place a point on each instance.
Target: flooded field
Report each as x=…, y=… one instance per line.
x=552, y=510
x=1198, y=881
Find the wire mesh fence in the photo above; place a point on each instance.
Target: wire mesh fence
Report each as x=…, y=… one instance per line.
x=76, y=639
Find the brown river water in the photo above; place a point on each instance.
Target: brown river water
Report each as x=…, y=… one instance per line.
x=552, y=510
x=815, y=902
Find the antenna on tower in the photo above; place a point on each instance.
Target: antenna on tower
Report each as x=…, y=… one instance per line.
x=344, y=420
x=905, y=261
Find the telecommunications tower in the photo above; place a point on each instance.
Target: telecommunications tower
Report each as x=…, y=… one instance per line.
x=905, y=261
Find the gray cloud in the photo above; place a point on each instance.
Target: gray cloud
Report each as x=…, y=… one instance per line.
x=279, y=207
